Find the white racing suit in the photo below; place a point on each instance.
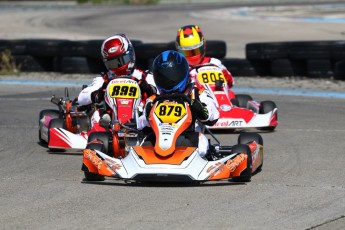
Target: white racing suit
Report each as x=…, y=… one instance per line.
x=100, y=82
x=213, y=115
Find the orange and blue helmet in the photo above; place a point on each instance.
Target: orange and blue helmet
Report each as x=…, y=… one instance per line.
x=190, y=41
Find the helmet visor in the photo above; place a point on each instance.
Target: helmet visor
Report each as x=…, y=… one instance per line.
x=189, y=51
x=180, y=87
x=117, y=62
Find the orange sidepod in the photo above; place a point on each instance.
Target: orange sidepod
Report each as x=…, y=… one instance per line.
x=231, y=168
x=148, y=154
x=95, y=164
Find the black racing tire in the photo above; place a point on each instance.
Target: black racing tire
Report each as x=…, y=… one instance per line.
x=83, y=123
x=51, y=112
x=339, y=70
x=245, y=175
x=282, y=68
x=147, y=51
x=43, y=47
x=266, y=107
x=239, y=67
x=246, y=138
x=243, y=100
x=73, y=65
x=56, y=123
x=338, y=51
x=88, y=175
x=216, y=49
x=102, y=137
x=266, y=50
x=304, y=50
x=319, y=68
x=234, y=102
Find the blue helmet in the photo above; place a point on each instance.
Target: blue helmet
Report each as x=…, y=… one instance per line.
x=171, y=72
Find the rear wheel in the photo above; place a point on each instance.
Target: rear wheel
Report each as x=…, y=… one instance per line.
x=243, y=100
x=245, y=138
x=88, y=175
x=43, y=113
x=266, y=107
x=246, y=174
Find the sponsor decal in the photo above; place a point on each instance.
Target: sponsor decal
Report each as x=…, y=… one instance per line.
x=235, y=123
x=124, y=101
x=225, y=107
x=232, y=164
x=112, y=164
x=112, y=49
x=91, y=156
x=216, y=169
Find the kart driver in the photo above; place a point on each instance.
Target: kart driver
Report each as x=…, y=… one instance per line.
x=190, y=41
x=171, y=75
x=119, y=58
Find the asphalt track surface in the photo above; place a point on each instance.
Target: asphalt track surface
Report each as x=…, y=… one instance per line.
x=301, y=185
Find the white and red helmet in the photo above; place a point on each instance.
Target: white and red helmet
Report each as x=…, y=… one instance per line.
x=118, y=54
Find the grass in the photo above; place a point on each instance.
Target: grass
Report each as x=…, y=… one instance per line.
x=7, y=63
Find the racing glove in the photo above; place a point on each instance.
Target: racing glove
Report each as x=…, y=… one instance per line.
x=97, y=96
x=199, y=110
x=148, y=108
x=146, y=88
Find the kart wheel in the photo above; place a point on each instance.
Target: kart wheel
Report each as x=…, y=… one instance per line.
x=47, y=112
x=234, y=102
x=56, y=123
x=245, y=138
x=246, y=174
x=102, y=137
x=266, y=107
x=88, y=175
x=83, y=123
x=243, y=100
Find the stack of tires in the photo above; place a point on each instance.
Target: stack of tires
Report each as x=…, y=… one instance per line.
x=313, y=59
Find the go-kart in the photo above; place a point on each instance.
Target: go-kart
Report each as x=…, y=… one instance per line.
x=170, y=151
x=238, y=111
x=65, y=128
x=69, y=128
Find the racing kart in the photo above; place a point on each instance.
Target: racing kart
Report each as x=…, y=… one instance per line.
x=65, y=128
x=70, y=126
x=169, y=153
x=236, y=111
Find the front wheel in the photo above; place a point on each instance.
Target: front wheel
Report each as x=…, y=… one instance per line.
x=47, y=112
x=56, y=123
x=266, y=107
x=246, y=174
x=103, y=138
x=92, y=176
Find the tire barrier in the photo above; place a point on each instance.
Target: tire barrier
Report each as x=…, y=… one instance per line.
x=314, y=59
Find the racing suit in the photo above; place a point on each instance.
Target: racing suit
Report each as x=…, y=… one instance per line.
x=94, y=93
x=212, y=115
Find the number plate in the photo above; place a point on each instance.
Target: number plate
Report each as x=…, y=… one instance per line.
x=210, y=76
x=123, y=90
x=170, y=112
